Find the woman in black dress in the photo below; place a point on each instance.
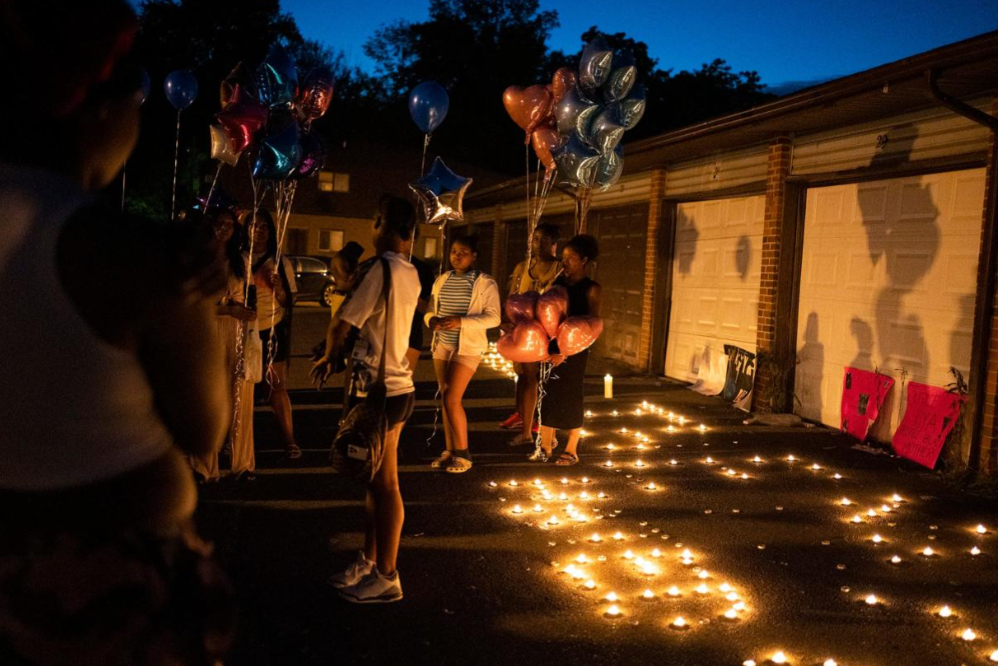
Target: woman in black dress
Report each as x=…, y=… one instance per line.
x=562, y=406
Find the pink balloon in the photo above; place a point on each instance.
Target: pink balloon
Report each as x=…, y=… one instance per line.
x=552, y=308
x=527, y=343
x=521, y=307
x=577, y=334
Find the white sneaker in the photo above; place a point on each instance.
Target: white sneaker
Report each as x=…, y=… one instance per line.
x=374, y=589
x=360, y=568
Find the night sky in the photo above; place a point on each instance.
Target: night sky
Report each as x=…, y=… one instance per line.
x=784, y=40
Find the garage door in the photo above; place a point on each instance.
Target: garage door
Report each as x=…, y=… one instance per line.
x=888, y=282
x=715, y=280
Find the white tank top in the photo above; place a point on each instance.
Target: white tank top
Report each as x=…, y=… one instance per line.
x=73, y=409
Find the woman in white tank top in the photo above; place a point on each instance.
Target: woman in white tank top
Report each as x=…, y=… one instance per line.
x=111, y=374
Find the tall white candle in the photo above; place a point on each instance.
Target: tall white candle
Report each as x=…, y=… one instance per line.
x=608, y=386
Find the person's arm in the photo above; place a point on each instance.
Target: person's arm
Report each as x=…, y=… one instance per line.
x=490, y=315
x=431, y=309
x=594, y=295
x=336, y=337
x=354, y=312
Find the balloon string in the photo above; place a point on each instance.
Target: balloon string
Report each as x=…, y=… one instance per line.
x=211, y=190
x=176, y=161
x=426, y=147
x=544, y=375
x=436, y=417
x=124, y=173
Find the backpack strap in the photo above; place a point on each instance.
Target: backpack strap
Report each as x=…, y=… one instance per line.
x=385, y=290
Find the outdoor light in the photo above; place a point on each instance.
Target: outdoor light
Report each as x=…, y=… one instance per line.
x=968, y=635
x=945, y=611
x=673, y=591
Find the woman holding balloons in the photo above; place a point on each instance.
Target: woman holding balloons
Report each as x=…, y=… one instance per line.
x=562, y=406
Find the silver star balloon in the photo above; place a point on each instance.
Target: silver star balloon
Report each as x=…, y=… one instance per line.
x=441, y=191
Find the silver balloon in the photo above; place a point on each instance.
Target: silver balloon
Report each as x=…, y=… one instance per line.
x=441, y=191
x=576, y=162
x=574, y=113
x=595, y=63
x=605, y=133
x=609, y=167
x=631, y=108
x=622, y=78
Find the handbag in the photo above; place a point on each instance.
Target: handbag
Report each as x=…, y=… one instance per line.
x=359, y=444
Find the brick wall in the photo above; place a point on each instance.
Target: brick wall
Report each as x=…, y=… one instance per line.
x=988, y=461
x=656, y=194
x=780, y=151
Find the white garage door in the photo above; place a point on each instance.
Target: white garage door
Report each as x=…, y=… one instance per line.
x=715, y=280
x=888, y=282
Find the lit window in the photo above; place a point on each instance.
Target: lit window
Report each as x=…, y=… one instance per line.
x=334, y=182
x=430, y=248
x=330, y=240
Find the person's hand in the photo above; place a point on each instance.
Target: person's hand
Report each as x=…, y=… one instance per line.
x=241, y=312
x=273, y=279
x=557, y=359
x=320, y=371
x=507, y=326
x=451, y=323
x=434, y=323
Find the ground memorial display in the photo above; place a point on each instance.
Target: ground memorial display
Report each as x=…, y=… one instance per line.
x=863, y=393
x=929, y=417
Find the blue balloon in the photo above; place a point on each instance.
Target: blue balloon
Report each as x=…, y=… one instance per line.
x=181, y=88
x=428, y=104
x=277, y=78
x=280, y=152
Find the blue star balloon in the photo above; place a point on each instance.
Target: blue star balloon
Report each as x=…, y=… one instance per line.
x=441, y=191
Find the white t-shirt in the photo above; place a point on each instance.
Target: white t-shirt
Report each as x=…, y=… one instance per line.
x=366, y=310
x=268, y=310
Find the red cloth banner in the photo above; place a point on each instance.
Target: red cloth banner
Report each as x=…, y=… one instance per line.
x=929, y=417
x=863, y=394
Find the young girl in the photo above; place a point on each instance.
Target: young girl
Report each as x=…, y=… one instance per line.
x=562, y=407
x=274, y=289
x=464, y=304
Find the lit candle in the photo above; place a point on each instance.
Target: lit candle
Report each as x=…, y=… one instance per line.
x=845, y=501
x=732, y=596
x=537, y=508
x=682, y=420
x=656, y=553
x=885, y=509
x=590, y=584
x=601, y=496
x=585, y=479
x=857, y=519
x=779, y=658
x=945, y=611
x=732, y=472
x=791, y=458
x=670, y=428
x=871, y=513
x=744, y=476
x=975, y=551
x=673, y=591
x=538, y=482
x=968, y=635
x=895, y=560
x=757, y=459
x=709, y=460
x=628, y=555
x=897, y=498
x=871, y=600
x=641, y=447
x=517, y=509
x=611, y=597
x=815, y=466
x=595, y=538
x=830, y=662
x=724, y=587
x=740, y=606
x=618, y=536
x=673, y=462
x=563, y=497
x=994, y=656
x=608, y=463
x=582, y=559
x=928, y=552
x=514, y=483
x=687, y=555
x=639, y=463
x=649, y=569
x=877, y=538
x=613, y=611
x=731, y=614
x=703, y=428
x=608, y=387
x=679, y=623
x=492, y=484
x=647, y=594
x=553, y=520
x=615, y=413
x=702, y=589
x=981, y=529
x=564, y=481
x=589, y=414
x=651, y=486
x=838, y=476
x=610, y=447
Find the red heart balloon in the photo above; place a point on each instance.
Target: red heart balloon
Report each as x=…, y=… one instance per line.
x=552, y=308
x=545, y=140
x=520, y=307
x=577, y=334
x=526, y=343
x=562, y=81
x=242, y=118
x=528, y=107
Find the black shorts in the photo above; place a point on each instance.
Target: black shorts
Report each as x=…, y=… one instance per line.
x=398, y=408
x=282, y=341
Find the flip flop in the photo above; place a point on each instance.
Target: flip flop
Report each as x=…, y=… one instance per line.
x=566, y=459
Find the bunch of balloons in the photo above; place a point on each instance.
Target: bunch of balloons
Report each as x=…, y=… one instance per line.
x=268, y=110
x=541, y=327
x=576, y=122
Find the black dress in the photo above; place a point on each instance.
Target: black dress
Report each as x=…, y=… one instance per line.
x=562, y=407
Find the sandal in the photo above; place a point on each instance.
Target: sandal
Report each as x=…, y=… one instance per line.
x=457, y=465
x=442, y=460
x=567, y=459
x=292, y=452
x=539, y=455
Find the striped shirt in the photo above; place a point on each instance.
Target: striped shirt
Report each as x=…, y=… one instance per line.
x=454, y=299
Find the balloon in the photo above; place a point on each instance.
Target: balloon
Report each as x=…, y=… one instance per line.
x=576, y=162
x=605, y=132
x=428, y=104
x=595, y=63
x=181, y=89
x=441, y=192
x=241, y=76
x=528, y=107
x=545, y=140
x=609, y=167
x=221, y=146
x=562, y=81
x=145, y=85
x=631, y=108
x=280, y=151
x=316, y=93
x=277, y=78
x=242, y=118
x=622, y=78
x=521, y=307
x=577, y=334
x=574, y=113
x=526, y=343
x=313, y=155
x=552, y=308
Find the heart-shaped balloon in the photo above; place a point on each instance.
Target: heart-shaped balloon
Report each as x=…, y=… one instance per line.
x=526, y=343
x=574, y=113
x=545, y=140
x=528, y=107
x=521, y=307
x=552, y=308
x=242, y=118
x=563, y=80
x=316, y=93
x=595, y=63
x=577, y=334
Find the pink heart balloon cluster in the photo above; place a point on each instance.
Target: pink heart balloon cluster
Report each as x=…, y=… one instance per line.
x=540, y=318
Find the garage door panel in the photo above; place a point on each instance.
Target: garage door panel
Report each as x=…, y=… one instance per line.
x=891, y=287
x=715, y=282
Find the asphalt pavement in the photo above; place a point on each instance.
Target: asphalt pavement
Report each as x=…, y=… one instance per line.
x=774, y=562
